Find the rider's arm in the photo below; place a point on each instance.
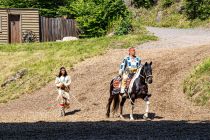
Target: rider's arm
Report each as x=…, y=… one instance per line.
x=139, y=59
x=123, y=66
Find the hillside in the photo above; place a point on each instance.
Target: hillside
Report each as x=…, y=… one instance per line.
x=172, y=13
x=172, y=114
x=197, y=84
x=43, y=60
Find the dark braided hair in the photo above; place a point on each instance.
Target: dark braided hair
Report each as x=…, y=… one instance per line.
x=60, y=73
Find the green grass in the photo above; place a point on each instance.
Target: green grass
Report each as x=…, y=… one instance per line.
x=43, y=60
x=197, y=85
x=170, y=17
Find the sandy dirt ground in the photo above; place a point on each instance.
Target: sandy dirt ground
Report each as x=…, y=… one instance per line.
x=172, y=114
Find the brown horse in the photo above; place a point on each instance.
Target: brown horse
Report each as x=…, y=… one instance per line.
x=138, y=89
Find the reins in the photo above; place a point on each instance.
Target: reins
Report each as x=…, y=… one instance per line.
x=144, y=77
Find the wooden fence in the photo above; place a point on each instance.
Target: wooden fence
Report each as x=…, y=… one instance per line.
x=52, y=29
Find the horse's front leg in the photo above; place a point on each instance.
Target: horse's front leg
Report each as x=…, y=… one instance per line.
x=132, y=106
x=121, y=107
x=147, y=108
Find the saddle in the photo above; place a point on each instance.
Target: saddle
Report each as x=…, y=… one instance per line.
x=117, y=84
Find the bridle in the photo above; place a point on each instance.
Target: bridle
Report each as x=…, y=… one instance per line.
x=146, y=76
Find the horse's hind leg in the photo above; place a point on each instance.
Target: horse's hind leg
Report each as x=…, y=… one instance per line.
x=132, y=106
x=109, y=105
x=121, y=107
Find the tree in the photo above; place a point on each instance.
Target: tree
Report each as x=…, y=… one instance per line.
x=198, y=9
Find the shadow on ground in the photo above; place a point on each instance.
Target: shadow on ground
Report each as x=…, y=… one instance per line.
x=107, y=130
x=152, y=116
x=72, y=112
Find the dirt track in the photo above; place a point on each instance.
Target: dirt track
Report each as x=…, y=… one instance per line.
x=173, y=115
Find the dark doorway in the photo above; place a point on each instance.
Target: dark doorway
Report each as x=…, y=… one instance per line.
x=14, y=29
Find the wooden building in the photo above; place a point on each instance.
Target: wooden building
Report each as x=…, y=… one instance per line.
x=16, y=22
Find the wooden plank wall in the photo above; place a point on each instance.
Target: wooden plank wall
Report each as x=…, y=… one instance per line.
x=4, y=26
x=53, y=29
x=29, y=20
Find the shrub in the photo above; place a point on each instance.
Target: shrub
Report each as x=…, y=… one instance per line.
x=197, y=9
x=143, y=3
x=167, y=3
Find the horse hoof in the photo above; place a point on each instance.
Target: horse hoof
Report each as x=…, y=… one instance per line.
x=132, y=119
x=145, y=117
x=121, y=116
x=107, y=115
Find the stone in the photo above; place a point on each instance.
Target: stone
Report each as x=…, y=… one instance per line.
x=159, y=16
x=69, y=38
x=19, y=74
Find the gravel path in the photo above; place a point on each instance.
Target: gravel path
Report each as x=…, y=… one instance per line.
x=178, y=38
x=172, y=115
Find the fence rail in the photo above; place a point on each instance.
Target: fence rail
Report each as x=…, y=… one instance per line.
x=53, y=29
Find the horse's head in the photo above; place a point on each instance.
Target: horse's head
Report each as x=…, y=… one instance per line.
x=147, y=72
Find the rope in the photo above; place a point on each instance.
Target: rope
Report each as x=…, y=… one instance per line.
x=75, y=99
x=130, y=99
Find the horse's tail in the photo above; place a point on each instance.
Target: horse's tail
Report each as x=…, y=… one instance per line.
x=110, y=92
x=111, y=87
x=116, y=102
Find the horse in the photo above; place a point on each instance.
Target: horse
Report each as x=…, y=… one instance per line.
x=138, y=89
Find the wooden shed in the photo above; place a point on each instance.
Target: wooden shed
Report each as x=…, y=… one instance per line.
x=16, y=22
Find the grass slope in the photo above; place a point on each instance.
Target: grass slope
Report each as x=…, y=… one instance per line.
x=171, y=17
x=42, y=60
x=197, y=85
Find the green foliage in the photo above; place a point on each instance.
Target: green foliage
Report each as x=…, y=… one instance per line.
x=48, y=8
x=173, y=16
x=122, y=26
x=94, y=17
x=167, y=3
x=143, y=3
x=197, y=9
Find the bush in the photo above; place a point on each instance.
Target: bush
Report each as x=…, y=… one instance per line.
x=95, y=17
x=143, y=3
x=122, y=26
x=197, y=9
x=167, y=3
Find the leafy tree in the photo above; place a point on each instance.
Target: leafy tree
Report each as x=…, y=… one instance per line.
x=197, y=9
x=47, y=8
x=94, y=17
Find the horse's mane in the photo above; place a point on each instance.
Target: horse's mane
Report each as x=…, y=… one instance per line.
x=134, y=78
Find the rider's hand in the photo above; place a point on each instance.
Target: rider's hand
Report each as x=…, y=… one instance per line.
x=62, y=86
